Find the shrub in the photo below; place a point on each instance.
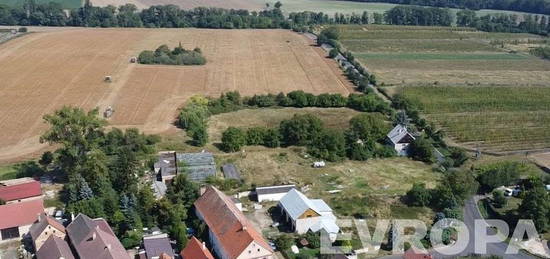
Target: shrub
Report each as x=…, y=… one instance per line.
x=301, y=129
x=421, y=149
x=499, y=200
x=329, y=145
x=178, y=56
x=418, y=195
x=498, y=174
x=255, y=136
x=233, y=139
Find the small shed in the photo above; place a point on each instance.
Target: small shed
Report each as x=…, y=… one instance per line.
x=273, y=193
x=230, y=171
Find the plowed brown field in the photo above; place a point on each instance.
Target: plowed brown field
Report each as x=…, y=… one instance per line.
x=44, y=71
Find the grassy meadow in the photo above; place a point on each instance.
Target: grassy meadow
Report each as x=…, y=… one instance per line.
x=419, y=55
x=492, y=118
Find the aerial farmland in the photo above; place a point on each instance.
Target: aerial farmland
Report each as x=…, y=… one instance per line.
x=75, y=63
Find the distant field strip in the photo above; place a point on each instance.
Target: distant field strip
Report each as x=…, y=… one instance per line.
x=493, y=118
x=444, y=56
x=419, y=55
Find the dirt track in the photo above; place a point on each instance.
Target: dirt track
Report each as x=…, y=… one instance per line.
x=44, y=71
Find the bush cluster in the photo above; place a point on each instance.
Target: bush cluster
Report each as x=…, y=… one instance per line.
x=179, y=56
x=232, y=101
x=363, y=140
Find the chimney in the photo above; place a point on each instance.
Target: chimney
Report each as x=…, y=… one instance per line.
x=108, y=247
x=61, y=257
x=202, y=190
x=94, y=236
x=203, y=246
x=244, y=228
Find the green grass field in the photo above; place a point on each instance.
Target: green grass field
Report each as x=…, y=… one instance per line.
x=420, y=55
x=492, y=118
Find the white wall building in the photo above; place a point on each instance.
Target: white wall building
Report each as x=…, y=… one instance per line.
x=308, y=214
x=273, y=193
x=400, y=139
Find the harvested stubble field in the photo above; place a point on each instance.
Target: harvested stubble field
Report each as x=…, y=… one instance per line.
x=416, y=55
x=44, y=71
x=492, y=118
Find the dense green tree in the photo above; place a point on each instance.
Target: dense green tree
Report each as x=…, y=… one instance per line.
x=233, y=139
x=499, y=200
x=536, y=206
x=493, y=175
x=182, y=191
x=418, y=195
x=421, y=149
x=329, y=145
x=369, y=126
x=301, y=129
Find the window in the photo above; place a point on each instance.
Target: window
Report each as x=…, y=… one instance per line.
x=249, y=251
x=258, y=249
x=9, y=233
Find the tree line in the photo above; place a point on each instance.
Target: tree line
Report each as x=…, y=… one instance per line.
x=415, y=15
x=103, y=172
x=365, y=138
x=166, y=16
x=504, y=22
x=529, y=6
x=194, y=116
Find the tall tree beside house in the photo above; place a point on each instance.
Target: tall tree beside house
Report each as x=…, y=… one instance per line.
x=421, y=149
x=102, y=169
x=536, y=206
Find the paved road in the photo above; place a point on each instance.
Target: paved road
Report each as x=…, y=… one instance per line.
x=471, y=213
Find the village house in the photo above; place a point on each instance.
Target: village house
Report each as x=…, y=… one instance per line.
x=54, y=247
x=23, y=203
x=273, y=193
x=306, y=214
x=156, y=245
x=195, y=249
x=94, y=239
x=400, y=139
x=20, y=190
x=45, y=227
x=165, y=167
x=231, y=234
x=16, y=218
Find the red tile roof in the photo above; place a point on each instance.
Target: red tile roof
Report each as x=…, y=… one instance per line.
x=20, y=191
x=194, y=250
x=20, y=213
x=228, y=223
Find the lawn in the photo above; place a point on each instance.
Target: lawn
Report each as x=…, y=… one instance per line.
x=336, y=118
x=419, y=55
x=492, y=118
x=8, y=172
x=367, y=189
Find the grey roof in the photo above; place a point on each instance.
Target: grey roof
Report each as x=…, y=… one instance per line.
x=230, y=171
x=196, y=159
x=159, y=188
x=296, y=203
x=42, y=223
x=398, y=133
x=54, y=248
x=198, y=166
x=274, y=189
x=156, y=245
x=166, y=164
x=94, y=239
x=80, y=228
